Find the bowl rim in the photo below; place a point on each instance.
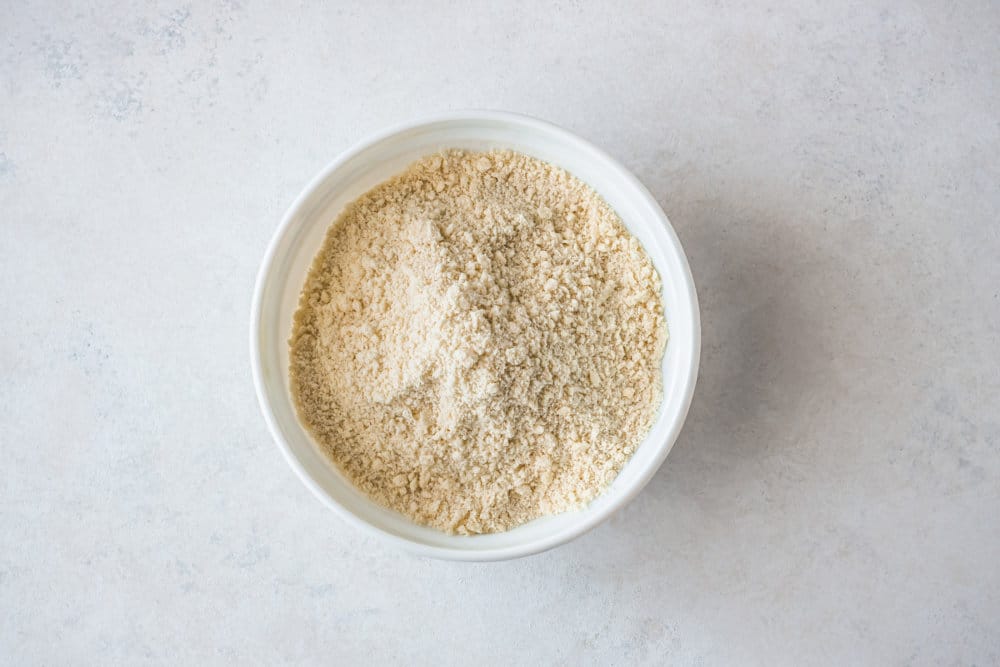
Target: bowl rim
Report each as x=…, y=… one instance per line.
x=587, y=522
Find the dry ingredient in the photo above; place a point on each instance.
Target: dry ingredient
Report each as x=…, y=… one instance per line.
x=478, y=342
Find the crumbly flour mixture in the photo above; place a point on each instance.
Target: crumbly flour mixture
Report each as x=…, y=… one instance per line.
x=478, y=342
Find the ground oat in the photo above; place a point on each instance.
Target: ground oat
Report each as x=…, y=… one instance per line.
x=478, y=342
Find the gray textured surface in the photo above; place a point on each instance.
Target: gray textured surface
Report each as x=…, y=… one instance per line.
x=832, y=171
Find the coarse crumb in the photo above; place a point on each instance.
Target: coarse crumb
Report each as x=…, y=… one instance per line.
x=478, y=343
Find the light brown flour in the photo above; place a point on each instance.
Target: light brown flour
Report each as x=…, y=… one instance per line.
x=478, y=342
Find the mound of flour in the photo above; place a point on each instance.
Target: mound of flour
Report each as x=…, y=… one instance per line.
x=478, y=342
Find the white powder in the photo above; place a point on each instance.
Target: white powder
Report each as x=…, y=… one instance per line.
x=478, y=342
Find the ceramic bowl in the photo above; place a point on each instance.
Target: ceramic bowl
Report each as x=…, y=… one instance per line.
x=299, y=237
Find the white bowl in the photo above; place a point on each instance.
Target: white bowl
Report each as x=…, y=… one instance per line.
x=299, y=237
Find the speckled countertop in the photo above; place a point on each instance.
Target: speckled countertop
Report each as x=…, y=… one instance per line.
x=832, y=171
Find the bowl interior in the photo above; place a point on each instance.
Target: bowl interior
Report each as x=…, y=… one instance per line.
x=300, y=237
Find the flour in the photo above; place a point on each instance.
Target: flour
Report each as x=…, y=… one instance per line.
x=478, y=342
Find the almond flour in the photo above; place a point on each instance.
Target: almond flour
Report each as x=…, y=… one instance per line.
x=478, y=342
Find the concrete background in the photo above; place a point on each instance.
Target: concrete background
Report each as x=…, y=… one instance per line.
x=832, y=170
